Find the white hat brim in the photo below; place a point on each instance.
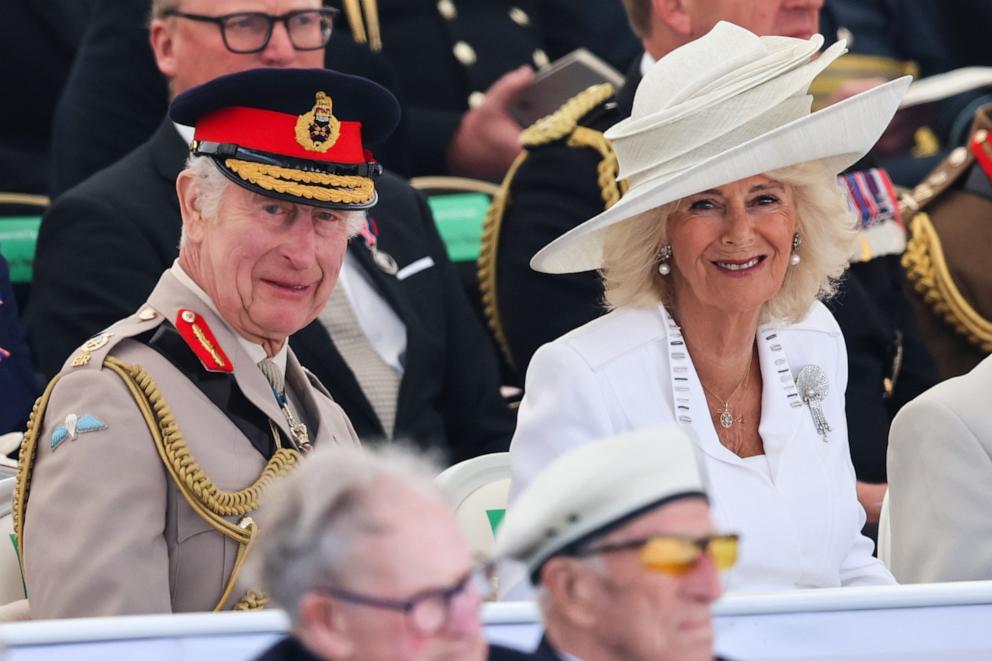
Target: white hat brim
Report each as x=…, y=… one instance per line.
x=837, y=136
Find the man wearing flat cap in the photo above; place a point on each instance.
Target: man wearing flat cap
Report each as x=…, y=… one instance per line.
x=148, y=452
x=618, y=540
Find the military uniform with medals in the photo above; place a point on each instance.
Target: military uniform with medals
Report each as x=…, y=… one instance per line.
x=147, y=455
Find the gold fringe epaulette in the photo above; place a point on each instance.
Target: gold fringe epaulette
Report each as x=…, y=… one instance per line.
x=563, y=121
x=927, y=270
x=559, y=125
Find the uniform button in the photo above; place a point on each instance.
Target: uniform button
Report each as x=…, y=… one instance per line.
x=147, y=314
x=958, y=156
x=519, y=16
x=188, y=316
x=981, y=136
x=464, y=53
x=447, y=9
x=923, y=191
x=541, y=59
x=476, y=99
x=937, y=178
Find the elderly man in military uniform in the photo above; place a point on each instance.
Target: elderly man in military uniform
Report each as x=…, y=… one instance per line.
x=146, y=455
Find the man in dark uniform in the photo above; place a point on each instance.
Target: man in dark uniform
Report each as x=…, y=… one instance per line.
x=459, y=65
x=115, y=97
x=407, y=360
x=567, y=174
x=950, y=221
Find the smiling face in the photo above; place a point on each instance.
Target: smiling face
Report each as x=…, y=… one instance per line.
x=268, y=265
x=731, y=246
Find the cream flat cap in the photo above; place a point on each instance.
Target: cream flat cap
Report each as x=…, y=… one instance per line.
x=593, y=489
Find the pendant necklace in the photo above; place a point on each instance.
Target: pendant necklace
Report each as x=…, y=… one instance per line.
x=727, y=418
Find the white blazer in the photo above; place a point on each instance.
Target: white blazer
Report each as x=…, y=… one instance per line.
x=797, y=513
x=940, y=482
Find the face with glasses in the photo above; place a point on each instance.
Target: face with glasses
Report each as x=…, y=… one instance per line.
x=644, y=590
x=411, y=592
x=199, y=40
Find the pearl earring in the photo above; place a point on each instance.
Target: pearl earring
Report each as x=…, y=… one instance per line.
x=664, y=267
x=794, y=258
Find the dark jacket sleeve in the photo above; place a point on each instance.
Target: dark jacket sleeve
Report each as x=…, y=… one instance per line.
x=554, y=190
x=17, y=381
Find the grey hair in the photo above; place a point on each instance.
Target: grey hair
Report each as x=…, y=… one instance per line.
x=825, y=223
x=639, y=14
x=210, y=184
x=313, y=522
x=159, y=7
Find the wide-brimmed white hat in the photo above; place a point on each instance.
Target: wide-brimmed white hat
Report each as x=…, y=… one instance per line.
x=727, y=106
x=596, y=488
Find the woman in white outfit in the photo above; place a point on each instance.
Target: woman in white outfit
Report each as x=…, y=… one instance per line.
x=713, y=261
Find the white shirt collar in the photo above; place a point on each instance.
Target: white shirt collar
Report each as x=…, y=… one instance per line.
x=185, y=132
x=255, y=351
x=646, y=62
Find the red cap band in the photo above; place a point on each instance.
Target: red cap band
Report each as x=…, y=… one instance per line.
x=275, y=132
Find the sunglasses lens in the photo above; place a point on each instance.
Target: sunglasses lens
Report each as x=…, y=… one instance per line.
x=670, y=555
x=724, y=551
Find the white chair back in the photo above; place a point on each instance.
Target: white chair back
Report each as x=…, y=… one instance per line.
x=478, y=489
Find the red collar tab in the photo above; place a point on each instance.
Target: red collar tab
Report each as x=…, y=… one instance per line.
x=201, y=340
x=296, y=136
x=981, y=146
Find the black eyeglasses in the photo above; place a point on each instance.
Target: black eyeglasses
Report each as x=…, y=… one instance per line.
x=249, y=32
x=430, y=610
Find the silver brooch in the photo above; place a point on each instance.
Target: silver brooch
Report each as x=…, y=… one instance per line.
x=813, y=388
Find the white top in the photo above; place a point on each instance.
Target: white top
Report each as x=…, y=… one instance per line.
x=799, y=521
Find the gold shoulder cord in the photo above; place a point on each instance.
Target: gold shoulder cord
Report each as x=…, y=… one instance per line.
x=927, y=269
x=208, y=501
x=559, y=124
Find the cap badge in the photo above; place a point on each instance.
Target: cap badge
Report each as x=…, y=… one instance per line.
x=318, y=129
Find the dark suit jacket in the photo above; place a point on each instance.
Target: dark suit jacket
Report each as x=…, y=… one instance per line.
x=115, y=95
x=38, y=39
x=103, y=245
x=290, y=649
x=556, y=189
x=17, y=381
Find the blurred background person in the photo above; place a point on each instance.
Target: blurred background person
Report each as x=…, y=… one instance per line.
x=618, y=540
x=364, y=553
x=713, y=262
x=940, y=526
x=17, y=378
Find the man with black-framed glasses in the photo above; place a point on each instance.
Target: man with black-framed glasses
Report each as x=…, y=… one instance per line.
x=365, y=554
x=618, y=540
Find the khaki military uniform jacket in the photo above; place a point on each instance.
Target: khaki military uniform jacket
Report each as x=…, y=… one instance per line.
x=107, y=530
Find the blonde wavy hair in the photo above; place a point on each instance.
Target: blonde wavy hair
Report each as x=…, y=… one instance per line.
x=825, y=223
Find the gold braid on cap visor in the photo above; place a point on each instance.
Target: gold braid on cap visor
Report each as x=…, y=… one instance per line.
x=318, y=186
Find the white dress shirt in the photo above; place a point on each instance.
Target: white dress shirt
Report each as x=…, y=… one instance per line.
x=796, y=511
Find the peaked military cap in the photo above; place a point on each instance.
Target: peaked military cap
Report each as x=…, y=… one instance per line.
x=294, y=134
